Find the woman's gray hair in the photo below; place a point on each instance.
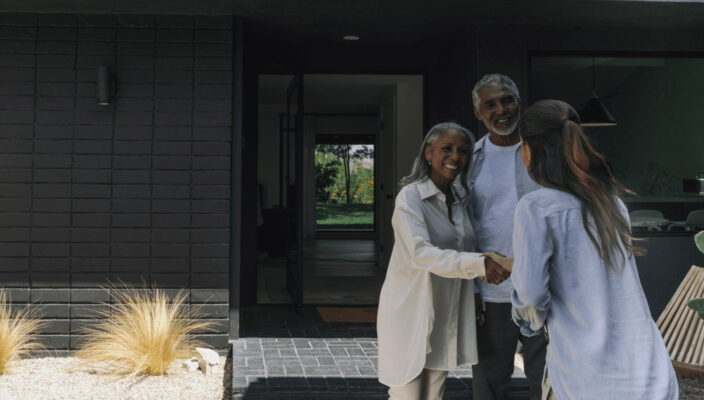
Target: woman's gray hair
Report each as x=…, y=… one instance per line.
x=421, y=170
x=495, y=79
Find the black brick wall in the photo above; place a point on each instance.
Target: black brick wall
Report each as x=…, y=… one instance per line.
x=139, y=190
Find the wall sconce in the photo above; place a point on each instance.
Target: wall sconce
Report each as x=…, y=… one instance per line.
x=104, y=85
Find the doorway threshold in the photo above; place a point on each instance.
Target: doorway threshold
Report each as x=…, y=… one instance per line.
x=344, y=230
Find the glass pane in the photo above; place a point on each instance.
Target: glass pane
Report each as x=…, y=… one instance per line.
x=344, y=186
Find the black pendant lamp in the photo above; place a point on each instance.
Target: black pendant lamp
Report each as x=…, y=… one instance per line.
x=594, y=112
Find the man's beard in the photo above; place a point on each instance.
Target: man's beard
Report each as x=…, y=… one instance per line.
x=510, y=129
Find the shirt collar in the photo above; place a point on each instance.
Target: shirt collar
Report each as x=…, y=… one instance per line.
x=426, y=189
x=479, y=145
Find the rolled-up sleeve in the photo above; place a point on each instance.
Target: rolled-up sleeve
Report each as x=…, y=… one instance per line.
x=412, y=235
x=532, y=250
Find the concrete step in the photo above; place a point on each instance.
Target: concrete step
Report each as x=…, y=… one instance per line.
x=326, y=368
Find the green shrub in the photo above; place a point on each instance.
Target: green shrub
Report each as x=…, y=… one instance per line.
x=326, y=170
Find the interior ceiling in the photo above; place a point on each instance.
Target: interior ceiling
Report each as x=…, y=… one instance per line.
x=400, y=21
x=323, y=92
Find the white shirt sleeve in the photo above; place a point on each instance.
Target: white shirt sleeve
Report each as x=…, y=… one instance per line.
x=412, y=235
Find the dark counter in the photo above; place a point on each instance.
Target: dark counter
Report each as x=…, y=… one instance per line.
x=674, y=207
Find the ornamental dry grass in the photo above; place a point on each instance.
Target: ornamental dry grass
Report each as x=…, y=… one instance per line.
x=143, y=332
x=16, y=332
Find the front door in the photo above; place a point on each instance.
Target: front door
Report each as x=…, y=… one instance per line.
x=387, y=178
x=294, y=231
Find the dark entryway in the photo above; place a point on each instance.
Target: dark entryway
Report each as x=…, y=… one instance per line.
x=326, y=179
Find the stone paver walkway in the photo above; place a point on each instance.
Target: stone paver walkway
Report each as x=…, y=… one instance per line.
x=284, y=355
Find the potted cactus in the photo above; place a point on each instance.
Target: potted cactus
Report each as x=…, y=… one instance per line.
x=698, y=304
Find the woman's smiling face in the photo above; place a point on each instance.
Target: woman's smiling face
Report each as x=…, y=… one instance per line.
x=447, y=156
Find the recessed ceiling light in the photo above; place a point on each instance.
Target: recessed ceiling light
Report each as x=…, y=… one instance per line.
x=351, y=37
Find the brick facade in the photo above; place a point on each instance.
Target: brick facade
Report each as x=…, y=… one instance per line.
x=139, y=190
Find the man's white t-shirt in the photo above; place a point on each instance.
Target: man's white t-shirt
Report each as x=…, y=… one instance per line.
x=494, y=200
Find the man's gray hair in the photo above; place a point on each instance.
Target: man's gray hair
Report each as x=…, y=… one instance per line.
x=495, y=79
x=421, y=170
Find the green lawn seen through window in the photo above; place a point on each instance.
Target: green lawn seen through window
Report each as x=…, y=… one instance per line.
x=344, y=216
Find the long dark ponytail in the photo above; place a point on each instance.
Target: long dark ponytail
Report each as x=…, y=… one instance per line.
x=562, y=158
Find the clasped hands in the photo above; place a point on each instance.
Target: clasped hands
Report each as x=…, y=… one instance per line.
x=497, y=267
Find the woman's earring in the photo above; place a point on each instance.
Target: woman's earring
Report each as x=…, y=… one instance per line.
x=429, y=164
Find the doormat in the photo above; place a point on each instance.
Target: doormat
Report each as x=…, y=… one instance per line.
x=347, y=314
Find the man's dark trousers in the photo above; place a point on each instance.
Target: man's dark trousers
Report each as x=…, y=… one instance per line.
x=496, y=342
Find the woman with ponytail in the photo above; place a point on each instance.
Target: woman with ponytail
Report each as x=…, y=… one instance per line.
x=575, y=274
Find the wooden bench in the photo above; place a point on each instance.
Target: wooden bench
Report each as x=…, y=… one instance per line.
x=682, y=329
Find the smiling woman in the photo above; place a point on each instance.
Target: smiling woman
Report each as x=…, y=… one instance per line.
x=422, y=293
x=447, y=156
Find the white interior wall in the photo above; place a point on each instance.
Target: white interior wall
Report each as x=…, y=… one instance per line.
x=346, y=125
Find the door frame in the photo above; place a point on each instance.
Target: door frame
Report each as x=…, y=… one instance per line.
x=248, y=290
x=295, y=215
x=353, y=234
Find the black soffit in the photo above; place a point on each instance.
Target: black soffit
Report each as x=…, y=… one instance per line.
x=408, y=15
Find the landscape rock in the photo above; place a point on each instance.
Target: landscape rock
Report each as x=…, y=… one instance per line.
x=208, y=360
x=211, y=356
x=191, y=365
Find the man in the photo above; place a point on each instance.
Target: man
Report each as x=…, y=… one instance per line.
x=496, y=182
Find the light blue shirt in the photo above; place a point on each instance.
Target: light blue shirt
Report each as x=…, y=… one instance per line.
x=497, y=179
x=603, y=343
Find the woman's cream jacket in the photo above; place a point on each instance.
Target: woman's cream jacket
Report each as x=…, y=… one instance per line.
x=426, y=244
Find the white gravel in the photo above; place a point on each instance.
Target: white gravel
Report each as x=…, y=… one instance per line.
x=60, y=378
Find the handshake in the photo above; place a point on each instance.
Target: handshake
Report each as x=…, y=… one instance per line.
x=497, y=267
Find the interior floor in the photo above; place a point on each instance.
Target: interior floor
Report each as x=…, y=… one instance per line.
x=339, y=272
